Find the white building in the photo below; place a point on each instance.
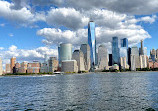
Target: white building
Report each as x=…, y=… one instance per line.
x=123, y=62
x=79, y=57
x=102, y=57
x=86, y=52
x=143, y=61
x=133, y=63
x=69, y=66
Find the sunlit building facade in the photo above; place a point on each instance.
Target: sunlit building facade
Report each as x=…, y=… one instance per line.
x=92, y=42
x=86, y=52
x=102, y=57
x=65, y=52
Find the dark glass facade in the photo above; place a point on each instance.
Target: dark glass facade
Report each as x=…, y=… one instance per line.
x=115, y=51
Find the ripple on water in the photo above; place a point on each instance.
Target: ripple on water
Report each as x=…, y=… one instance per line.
x=109, y=92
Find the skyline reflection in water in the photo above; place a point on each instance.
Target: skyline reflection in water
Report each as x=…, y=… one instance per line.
x=78, y=92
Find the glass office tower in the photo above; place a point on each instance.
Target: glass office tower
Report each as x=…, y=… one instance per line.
x=92, y=42
x=65, y=52
x=124, y=42
x=124, y=48
x=115, y=51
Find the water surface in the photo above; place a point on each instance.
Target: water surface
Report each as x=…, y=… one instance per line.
x=80, y=92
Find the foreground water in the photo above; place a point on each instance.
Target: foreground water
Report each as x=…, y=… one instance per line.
x=80, y=92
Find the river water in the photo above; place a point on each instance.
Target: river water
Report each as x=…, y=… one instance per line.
x=80, y=92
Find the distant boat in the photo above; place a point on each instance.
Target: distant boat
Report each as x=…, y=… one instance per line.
x=58, y=72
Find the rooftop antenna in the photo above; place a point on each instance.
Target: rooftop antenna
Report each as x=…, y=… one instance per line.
x=90, y=19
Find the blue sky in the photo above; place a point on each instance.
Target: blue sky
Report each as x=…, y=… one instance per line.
x=31, y=28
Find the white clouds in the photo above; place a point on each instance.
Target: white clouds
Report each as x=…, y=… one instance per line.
x=11, y=35
x=12, y=48
x=22, y=16
x=136, y=7
x=2, y=25
x=67, y=17
x=109, y=24
x=112, y=18
x=1, y=48
x=27, y=55
x=149, y=19
x=57, y=36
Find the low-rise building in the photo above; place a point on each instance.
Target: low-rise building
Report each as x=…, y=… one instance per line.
x=69, y=66
x=114, y=67
x=44, y=68
x=53, y=64
x=23, y=67
x=33, y=67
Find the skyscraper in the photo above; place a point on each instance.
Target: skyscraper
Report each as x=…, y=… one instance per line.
x=102, y=57
x=86, y=51
x=135, y=52
x=110, y=59
x=124, y=49
x=12, y=63
x=79, y=57
x=133, y=62
x=142, y=48
x=123, y=62
x=65, y=52
x=92, y=42
x=143, y=61
x=124, y=42
x=115, y=51
x=153, y=54
x=145, y=51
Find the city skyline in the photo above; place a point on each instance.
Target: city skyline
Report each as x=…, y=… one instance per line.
x=29, y=35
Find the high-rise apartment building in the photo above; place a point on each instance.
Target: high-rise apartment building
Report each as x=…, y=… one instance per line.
x=86, y=52
x=115, y=51
x=102, y=57
x=79, y=57
x=92, y=43
x=65, y=52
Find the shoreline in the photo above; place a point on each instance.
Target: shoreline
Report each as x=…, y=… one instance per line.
x=74, y=73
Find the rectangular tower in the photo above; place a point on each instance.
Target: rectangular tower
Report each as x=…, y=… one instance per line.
x=92, y=42
x=115, y=51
